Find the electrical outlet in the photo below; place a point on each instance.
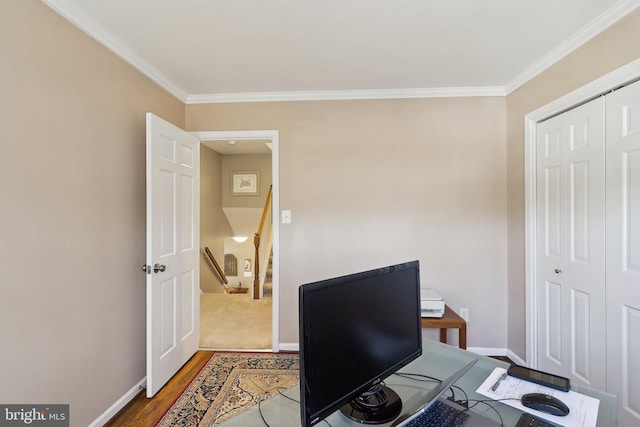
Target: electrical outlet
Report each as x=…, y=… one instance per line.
x=464, y=313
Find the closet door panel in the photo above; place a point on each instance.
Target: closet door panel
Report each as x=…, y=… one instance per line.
x=551, y=250
x=553, y=322
x=630, y=396
x=553, y=221
x=623, y=250
x=570, y=218
x=581, y=335
x=586, y=244
x=579, y=212
x=631, y=203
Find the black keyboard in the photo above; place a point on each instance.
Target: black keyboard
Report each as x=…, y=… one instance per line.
x=528, y=420
x=439, y=415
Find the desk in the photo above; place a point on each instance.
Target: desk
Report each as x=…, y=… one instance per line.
x=438, y=360
x=449, y=320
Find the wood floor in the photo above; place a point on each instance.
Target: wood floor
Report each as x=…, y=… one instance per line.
x=143, y=412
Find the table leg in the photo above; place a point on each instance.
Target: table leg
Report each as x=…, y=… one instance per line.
x=463, y=336
x=443, y=335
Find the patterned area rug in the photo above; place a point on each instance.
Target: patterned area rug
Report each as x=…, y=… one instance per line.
x=230, y=383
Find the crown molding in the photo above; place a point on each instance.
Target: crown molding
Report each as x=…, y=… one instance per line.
x=604, y=21
x=333, y=95
x=89, y=26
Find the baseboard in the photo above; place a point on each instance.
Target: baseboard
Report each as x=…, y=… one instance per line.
x=516, y=359
x=288, y=346
x=491, y=351
x=483, y=351
x=120, y=403
x=488, y=351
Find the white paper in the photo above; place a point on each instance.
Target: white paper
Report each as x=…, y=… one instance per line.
x=583, y=410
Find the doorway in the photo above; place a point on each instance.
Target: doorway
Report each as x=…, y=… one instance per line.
x=243, y=142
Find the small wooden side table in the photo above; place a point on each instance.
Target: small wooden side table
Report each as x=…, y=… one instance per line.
x=450, y=319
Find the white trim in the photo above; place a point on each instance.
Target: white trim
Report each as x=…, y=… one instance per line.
x=239, y=350
x=289, y=346
x=273, y=135
x=94, y=30
x=601, y=23
x=483, y=351
x=516, y=359
x=120, y=403
x=91, y=27
x=494, y=351
x=604, y=84
x=333, y=95
x=488, y=351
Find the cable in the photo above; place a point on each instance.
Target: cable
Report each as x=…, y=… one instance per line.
x=488, y=403
x=279, y=390
x=466, y=402
x=425, y=378
x=245, y=404
x=261, y=415
x=417, y=377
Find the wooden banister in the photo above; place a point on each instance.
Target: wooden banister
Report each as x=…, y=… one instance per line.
x=265, y=211
x=215, y=264
x=256, y=243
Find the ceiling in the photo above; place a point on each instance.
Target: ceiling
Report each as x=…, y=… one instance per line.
x=233, y=147
x=270, y=50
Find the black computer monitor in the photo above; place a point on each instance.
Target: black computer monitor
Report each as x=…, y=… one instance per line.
x=355, y=331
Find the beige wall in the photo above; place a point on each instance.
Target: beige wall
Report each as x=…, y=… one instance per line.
x=610, y=50
x=214, y=226
x=72, y=214
x=369, y=183
x=372, y=183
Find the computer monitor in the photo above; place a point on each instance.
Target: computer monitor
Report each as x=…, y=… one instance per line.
x=355, y=331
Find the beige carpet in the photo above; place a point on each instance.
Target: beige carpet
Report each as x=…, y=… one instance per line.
x=235, y=322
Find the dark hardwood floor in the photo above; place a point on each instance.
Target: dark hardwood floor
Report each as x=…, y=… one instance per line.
x=143, y=412
x=503, y=358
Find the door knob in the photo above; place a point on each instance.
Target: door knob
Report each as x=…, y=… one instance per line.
x=557, y=270
x=159, y=268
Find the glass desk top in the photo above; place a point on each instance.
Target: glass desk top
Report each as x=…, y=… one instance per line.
x=437, y=360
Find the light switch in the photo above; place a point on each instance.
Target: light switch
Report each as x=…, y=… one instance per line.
x=286, y=217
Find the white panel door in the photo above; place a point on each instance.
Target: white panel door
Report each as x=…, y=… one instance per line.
x=173, y=290
x=623, y=251
x=570, y=244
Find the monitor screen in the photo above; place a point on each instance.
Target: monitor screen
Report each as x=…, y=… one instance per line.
x=355, y=331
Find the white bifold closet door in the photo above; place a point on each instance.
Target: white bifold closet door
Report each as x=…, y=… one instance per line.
x=623, y=251
x=570, y=186
x=588, y=246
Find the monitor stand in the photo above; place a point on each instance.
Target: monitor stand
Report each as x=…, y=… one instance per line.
x=378, y=405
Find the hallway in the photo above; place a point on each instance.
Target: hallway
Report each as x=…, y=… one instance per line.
x=235, y=322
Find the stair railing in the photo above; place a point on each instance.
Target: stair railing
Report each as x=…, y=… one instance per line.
x=256, y=242
x=215, y=264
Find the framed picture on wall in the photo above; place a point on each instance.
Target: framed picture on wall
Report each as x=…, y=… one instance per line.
x=245, y=183
x=230, y=265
